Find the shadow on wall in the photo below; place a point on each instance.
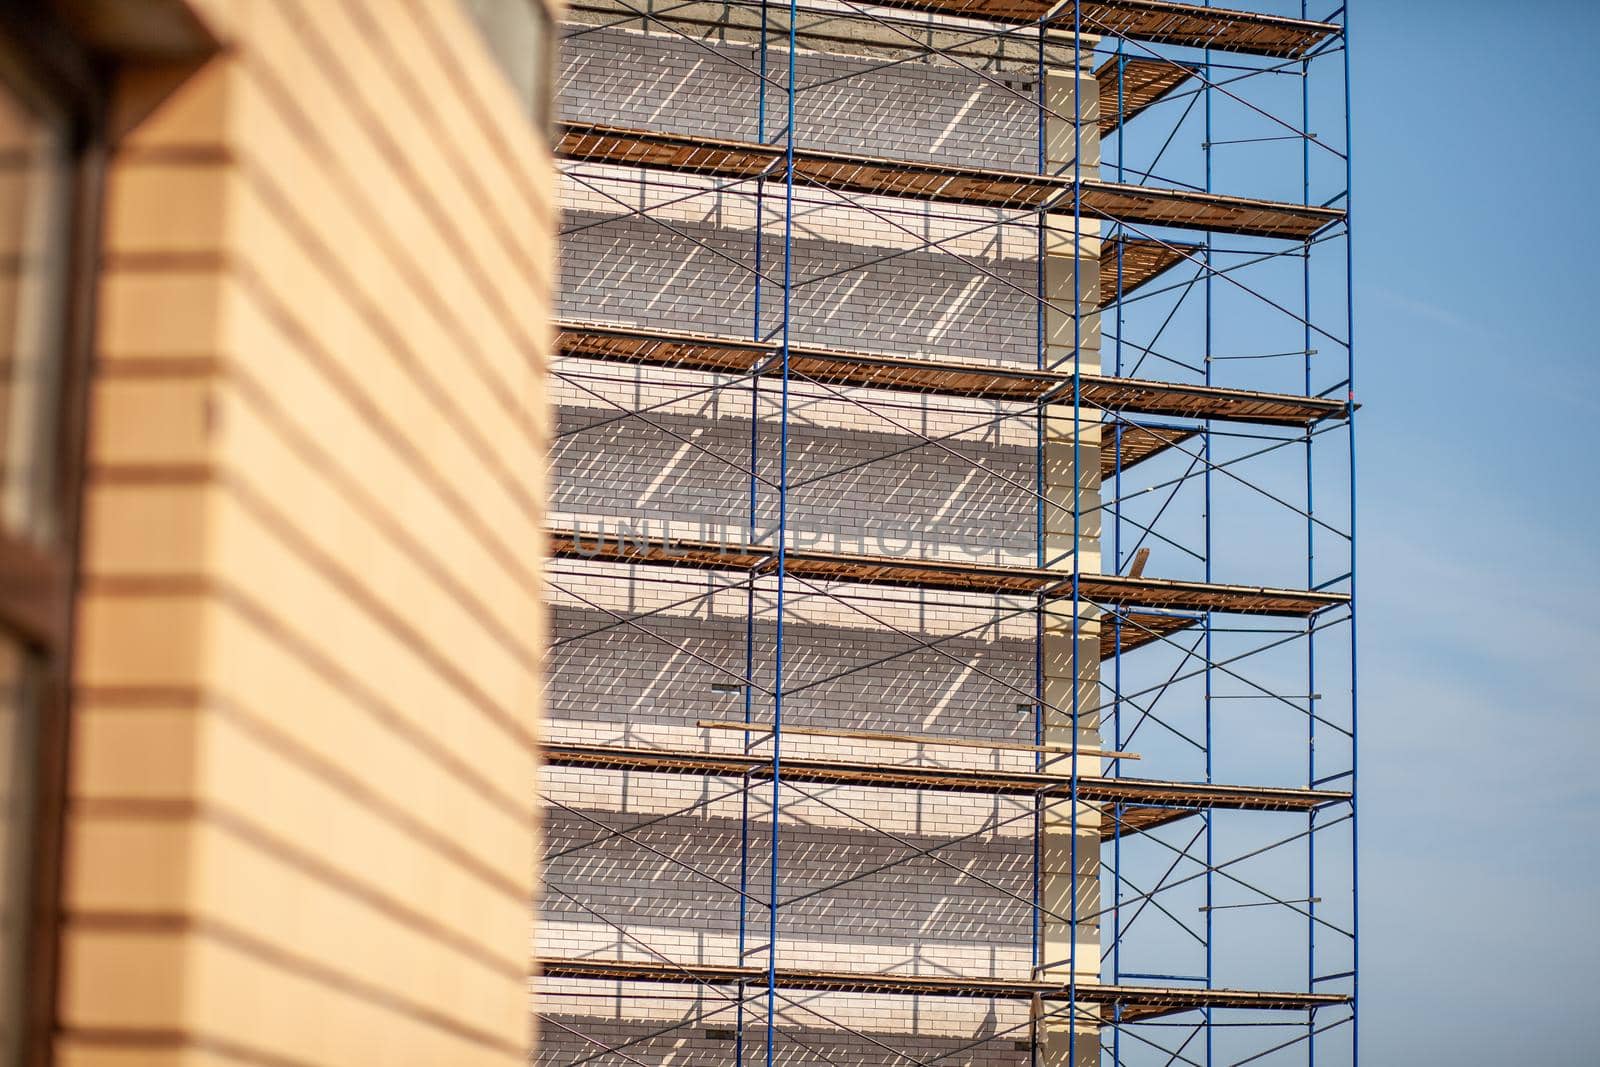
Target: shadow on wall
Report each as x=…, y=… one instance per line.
x=852, y=895
x=853, y=488
x=850, y=105
x=620, y=684
x=873, y=292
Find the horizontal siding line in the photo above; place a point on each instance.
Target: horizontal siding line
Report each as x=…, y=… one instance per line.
x=306, y=863
x=139, y=697
x=293, y=963
x=143, y=698
x=383, y=426
x=543, y=206
x=451, y=150
x=164, y=1040
x=344, y=583
x=307, y=759
x=151, y=368
x=176, y=153
x=165, y=261
x=202, y=475
x=152, y=475
x=309, y=655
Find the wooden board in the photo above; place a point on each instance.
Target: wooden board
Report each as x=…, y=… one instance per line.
x=1144, y=205
x=708, y=354
x=802, y=564
x=1125, y=1003
x=1127, y=263
x=1129, y=84
x=1155, y=21
x=979, y=187
x=1128, y=806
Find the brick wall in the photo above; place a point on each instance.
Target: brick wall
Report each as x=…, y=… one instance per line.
x=917, y=110
x=645, y=866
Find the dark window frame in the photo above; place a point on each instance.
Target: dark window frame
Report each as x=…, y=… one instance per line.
x=38, y=583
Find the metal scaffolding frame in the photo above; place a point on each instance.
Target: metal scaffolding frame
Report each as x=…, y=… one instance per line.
x=1167, y=67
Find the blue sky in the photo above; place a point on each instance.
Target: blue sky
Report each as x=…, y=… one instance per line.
x=1475, y=231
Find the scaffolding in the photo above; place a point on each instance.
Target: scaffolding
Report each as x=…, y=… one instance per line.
x=1173, y=388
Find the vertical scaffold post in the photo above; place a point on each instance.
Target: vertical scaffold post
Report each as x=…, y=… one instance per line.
x=1311, y=562
x=1077, y=521
x=1042, y=518
x=750, y=739
x=1210, y=658
x=782, y=539
x=1350, y=429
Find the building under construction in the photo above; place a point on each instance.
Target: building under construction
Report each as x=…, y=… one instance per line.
x=952, y=548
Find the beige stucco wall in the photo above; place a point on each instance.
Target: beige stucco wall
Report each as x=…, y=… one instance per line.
x=301, y=826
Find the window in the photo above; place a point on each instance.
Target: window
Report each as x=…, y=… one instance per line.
x=18, y=815
x=35, y=196
x=48, y=106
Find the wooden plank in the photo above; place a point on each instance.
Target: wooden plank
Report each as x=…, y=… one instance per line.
x=1129, y=443
x=1133, y=1002
x=1107, y=590
x=915, y=739
x=709, y=354
x=1145, y=205
x=921, y=179
x=1128, y=263
x=1137, y=629
x=1157, y=21
x=1130, y=84
x=1056, y=776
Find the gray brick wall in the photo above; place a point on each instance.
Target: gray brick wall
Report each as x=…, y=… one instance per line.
x=859, y=282
x=867, y=278
x=909, y=110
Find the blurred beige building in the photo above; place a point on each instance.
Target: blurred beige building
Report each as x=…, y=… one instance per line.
x=276, y=275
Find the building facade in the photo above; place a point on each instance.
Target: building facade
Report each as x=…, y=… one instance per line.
x=272, y=740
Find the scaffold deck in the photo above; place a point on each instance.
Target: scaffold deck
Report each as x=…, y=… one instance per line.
x=1127, y=1003
x=921, y=180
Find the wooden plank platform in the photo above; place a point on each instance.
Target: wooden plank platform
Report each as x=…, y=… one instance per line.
x=1194, y=26
x=1141, y=260
x=1139, y=628
x=974, y=186
x=1125, y=1004
x=1148, y=206
x=1129, y=805
x=944, y=377
x=1139, y=443
x=1156, y=21
x=1108, y=590
x=1141, y=83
